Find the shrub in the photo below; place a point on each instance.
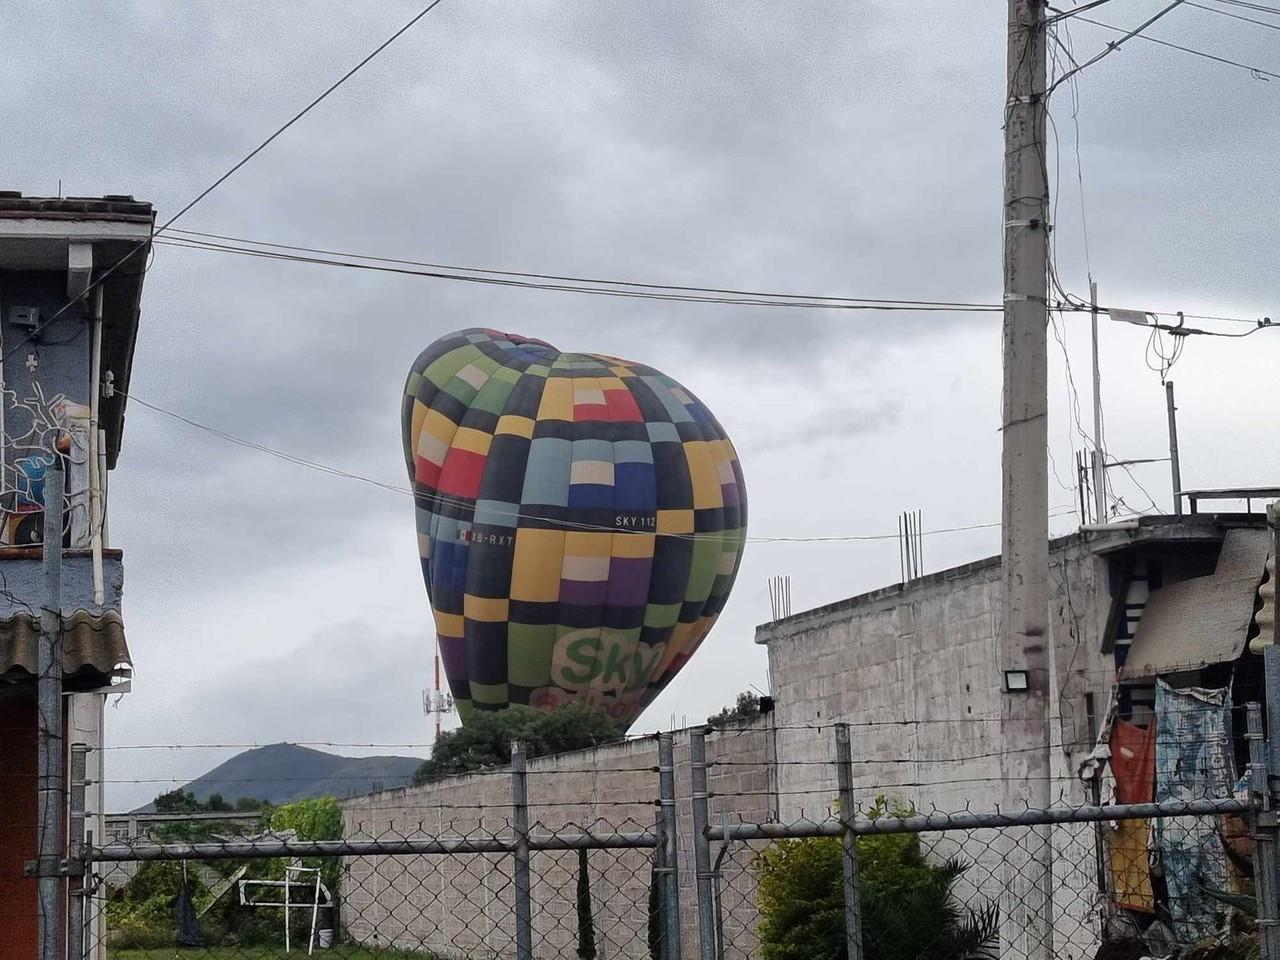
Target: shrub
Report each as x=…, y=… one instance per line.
x=907, y=905
x=140, y=914
x=586, y=925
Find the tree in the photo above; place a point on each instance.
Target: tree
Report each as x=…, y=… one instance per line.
x=907, y=905
x=486, y=739
x=185, y=801
x=655, y=914
x=315, y=818
x=586, y=924
x=747, y=708
x=178, y=801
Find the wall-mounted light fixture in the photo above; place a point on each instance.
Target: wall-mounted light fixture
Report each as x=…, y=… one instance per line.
x=1017, y=681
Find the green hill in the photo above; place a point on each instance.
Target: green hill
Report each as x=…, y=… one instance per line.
x=281, y=772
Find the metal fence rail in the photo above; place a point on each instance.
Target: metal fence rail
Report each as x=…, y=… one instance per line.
x=518, y=886
x=664, y=872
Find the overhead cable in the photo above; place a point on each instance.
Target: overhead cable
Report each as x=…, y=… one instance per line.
x=231, y=171
x=1257, y=7
x=602, y=287
x=1233, y=16
x=1114, y=45
x=566, y=284
x=1258, y=73
x=1074, y=11
x=443, y=500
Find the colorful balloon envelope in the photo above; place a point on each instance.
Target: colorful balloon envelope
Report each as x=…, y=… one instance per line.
x=580, y=520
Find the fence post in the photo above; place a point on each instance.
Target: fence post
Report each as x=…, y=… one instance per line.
x=658, y=900
x=49, y=732
x=1263, y=830
x=75, y=853
x=852, y=902
x=520, y=826
x=701, y=844
x=1271, y=676
x=92, y=943
x=667, y=805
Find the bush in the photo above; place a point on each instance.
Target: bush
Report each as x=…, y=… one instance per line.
x=140, y=914
x=907, y=906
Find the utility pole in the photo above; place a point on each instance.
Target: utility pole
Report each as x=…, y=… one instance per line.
x=1024, y=635
x=1174, y=466
x=49, y=724
x=1099, y=468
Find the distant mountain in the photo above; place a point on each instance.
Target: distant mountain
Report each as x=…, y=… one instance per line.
x=283, y=771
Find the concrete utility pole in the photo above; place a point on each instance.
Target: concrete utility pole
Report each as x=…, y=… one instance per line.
x=1175, y=468
x=1099, y=468
x=1027, y=919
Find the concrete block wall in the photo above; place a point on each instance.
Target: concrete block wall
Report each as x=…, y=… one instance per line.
x=463, y=905
x=914, y=670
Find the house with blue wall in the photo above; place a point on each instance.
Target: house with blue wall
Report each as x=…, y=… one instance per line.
x=71, y=276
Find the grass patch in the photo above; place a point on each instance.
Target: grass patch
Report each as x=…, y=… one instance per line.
x=340, y=952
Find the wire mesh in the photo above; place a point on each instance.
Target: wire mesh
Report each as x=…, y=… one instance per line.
x=1020, y=891
x=590, y=899
x=429, y=870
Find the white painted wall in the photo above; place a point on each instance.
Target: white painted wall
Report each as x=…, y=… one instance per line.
x=85, y=725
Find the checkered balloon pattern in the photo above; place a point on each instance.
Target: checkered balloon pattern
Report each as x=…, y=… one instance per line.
x=580, y=520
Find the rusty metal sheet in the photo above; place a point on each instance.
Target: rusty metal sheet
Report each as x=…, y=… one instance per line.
x=1204, y=620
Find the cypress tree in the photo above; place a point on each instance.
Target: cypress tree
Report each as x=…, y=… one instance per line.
x=586, y=925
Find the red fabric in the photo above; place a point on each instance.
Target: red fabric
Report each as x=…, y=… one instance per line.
x=1133, y=762
x=461, y=474
x=622, y=406
x=425, y=472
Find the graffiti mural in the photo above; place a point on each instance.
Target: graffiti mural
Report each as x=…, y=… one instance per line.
x=31, y=427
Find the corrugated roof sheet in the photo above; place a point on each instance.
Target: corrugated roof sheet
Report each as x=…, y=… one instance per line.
x=1204, y=620
x=111, y=207
x=93, y=647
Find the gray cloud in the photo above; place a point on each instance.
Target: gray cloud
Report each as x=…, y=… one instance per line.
x=802, y=147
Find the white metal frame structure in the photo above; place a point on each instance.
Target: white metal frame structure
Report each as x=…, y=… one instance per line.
x=320, y=897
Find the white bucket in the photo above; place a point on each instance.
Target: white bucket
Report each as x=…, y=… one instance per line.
x=324, y=939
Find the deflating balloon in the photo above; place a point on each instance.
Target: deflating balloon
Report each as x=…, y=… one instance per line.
x=580, y=520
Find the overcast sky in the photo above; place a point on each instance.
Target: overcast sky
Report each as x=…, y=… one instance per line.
x=832, y=148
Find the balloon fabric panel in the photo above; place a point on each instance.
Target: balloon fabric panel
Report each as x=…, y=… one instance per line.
x=581, y=520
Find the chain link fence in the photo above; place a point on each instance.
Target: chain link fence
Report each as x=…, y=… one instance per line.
x=712, y=864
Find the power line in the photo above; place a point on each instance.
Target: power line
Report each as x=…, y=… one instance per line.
x=568, y=284
x=592, y=280
x=443, y=500
x=1233, y=16
x=1258, y=7
x=1258, y=73
x=1114, y=45
x=1073, y=12
x=230, y=172
x=616, y=288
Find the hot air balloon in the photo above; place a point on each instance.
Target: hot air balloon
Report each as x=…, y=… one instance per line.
x=580, y=521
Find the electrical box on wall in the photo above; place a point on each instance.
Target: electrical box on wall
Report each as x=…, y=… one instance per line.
x=25, y=316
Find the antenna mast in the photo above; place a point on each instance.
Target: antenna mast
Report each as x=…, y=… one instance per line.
x=436, y=700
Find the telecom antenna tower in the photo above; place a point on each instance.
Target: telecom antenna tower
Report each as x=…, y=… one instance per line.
x=436, y=700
